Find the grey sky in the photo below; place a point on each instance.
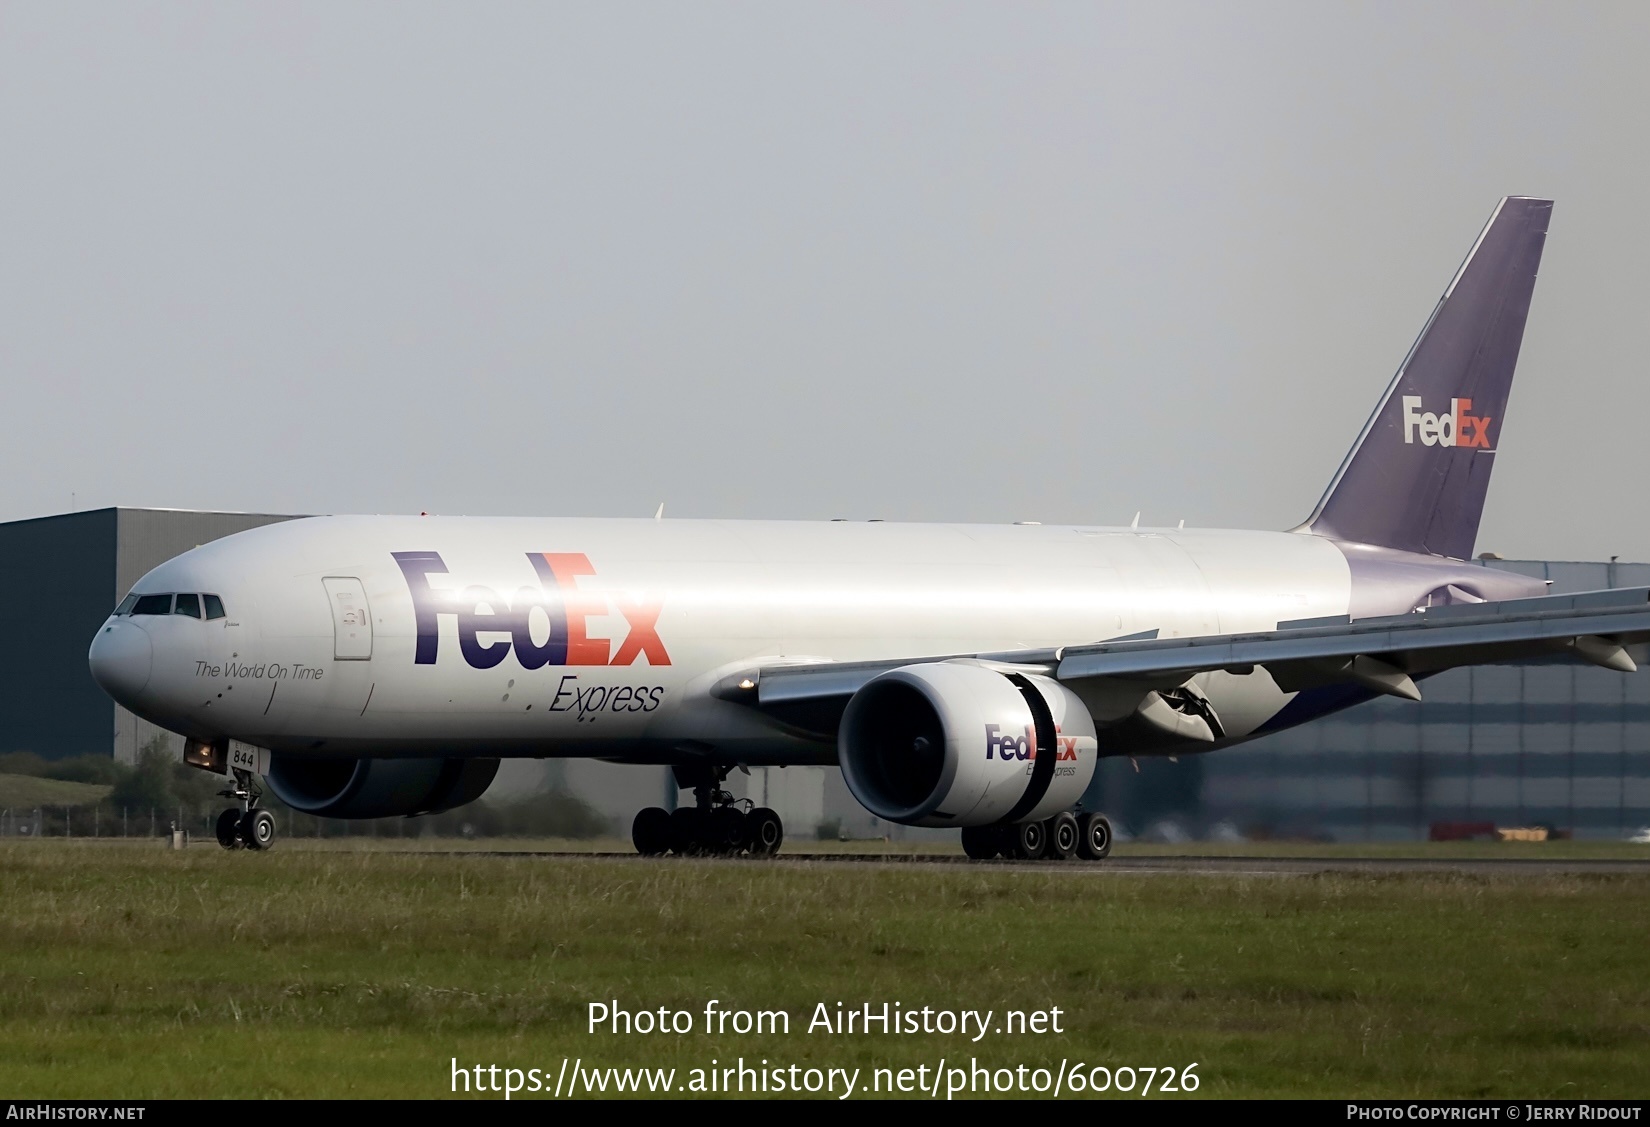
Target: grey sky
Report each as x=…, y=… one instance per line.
x=932, y=262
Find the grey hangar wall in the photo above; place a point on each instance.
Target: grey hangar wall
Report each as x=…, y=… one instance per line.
x=65, y=574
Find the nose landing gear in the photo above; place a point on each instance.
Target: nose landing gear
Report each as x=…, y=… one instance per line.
x=229, y=829
x=258, y=829
x=248, y=826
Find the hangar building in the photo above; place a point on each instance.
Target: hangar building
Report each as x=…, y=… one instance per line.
x=66, y=573
x=1553, y=742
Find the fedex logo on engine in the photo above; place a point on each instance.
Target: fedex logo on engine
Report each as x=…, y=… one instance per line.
x=1025, y=747
x=1457, y=428
x=556, y=610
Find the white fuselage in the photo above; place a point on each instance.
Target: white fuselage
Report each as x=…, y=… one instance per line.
x=649, y=615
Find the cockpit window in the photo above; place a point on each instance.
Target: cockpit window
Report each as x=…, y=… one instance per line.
x=153, y=604
x=189, y=604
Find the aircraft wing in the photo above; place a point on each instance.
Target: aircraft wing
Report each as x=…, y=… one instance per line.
x=1597, y=626
x=1381, y=654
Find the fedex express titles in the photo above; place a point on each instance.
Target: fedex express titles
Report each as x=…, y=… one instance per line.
x=564, y=606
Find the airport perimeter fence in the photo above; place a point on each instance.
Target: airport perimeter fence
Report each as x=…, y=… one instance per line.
x=105, y=822
x=199, y=822
x=102, y=822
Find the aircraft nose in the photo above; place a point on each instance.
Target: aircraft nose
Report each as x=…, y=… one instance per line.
x=121, y=658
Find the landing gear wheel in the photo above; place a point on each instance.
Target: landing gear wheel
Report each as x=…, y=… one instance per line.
x=229, y=829
x=1030, y=840
x=650, y=832
x=763, y=832
x=1062, y=836
x=1094, y=836
x=258, y=829
x=981, y=843
x=727, y=830
x=684, y=830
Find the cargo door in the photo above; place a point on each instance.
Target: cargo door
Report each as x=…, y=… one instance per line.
x=351, y=619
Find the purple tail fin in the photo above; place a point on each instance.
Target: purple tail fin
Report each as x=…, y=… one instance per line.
x=1417, y=476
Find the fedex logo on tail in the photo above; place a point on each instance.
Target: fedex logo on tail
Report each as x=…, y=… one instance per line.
x=1457, y=428
x=511, y=626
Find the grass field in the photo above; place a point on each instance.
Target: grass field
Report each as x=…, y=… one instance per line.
x=1441, y=851
x=129, y=971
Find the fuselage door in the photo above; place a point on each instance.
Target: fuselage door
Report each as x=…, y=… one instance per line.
x=351, y=619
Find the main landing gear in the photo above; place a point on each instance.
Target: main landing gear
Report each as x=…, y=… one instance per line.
x=717, y=824
x=1060, y=838
x=249, y=826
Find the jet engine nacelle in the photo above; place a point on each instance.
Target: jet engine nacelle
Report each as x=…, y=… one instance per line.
x=378, y=788
x=963, y=744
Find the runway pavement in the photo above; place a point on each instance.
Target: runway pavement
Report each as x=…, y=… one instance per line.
x=1260, y=865
x=1222, y=865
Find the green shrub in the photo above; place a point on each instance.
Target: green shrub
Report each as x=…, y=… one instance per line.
x=23, y=763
